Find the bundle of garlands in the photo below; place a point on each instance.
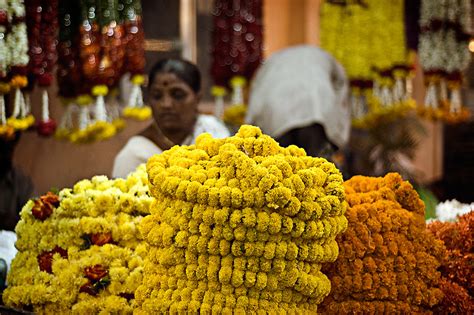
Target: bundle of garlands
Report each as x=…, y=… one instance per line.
x=368, y=39
x=13, y=68
x=387, y=261
x=80, y=252
x=457, y=267
x=444, y=55
x=240, y=225
x=100, y=41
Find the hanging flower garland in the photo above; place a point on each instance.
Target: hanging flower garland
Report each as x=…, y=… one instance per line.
x=444, y=55
x=240, y=225
x=237, y=39
x=87, y=256
x=42, y=20
x=388, y=261
x=17, y=43
x=6, y=130
x=234, y=115
x=68, y=72
x=101, y=58
x=134, y=62
x=375, y=57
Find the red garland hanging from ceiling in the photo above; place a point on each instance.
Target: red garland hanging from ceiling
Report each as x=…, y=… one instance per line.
x=42, y=23
x=237, y=39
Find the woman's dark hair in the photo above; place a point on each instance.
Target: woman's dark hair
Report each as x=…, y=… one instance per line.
x=184, y=70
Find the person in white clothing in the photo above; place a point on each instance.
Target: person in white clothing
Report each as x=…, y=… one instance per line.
x=300, y=96
x=174, y=91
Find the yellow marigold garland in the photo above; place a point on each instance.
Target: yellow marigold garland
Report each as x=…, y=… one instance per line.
x=369, y=41
x=80, y=251
x=388, y=262
x=240, y=225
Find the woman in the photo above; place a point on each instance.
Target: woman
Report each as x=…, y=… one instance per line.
x=174, y=91
x=299, y=96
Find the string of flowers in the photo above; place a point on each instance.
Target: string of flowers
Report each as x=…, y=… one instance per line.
x=444, y=55
x=387, y=261
x=237, y=39
x=239, y=225
x=6, y=130
x=457, y=266
x=134, y=63
x=42, y=25
x=68, y=72
x=375, y=57
x=101, y=61
x=234, y=115
x=80, y=251
x=17, y=43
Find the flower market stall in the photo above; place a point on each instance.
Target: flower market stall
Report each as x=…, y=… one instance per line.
x=240, y=224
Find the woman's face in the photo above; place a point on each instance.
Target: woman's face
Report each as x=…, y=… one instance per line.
x=174, y=103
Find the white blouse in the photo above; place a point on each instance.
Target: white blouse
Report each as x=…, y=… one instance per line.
x=139, y=149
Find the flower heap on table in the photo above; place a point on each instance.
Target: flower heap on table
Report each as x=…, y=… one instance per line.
x=457, y=268
x=80, y=251
x=239, y=225
x=388, y=261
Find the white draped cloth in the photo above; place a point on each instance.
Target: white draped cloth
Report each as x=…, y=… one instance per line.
x=139, y=149
x=297, y=87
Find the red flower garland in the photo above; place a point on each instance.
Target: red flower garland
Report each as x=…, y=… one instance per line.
x=134, y=40
x=42, y=23
x=458, y=265
x=237, y=39
x=69, y=72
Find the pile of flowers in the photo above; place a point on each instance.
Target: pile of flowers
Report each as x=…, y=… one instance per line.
x=457, y=268
x=239, y=225
x=449, y=210
x=80, y=250
x=388, y=261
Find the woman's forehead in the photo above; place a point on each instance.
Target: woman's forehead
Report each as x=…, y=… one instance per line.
x=166, y=79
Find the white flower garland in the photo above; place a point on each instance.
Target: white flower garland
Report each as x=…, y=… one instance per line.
x=444, y=54
x=440, y=49
x=17, y=40
x=4, y=51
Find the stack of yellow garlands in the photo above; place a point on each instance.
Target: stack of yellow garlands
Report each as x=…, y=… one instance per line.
x=80, y=250
x=239, y=225
x=388, y=260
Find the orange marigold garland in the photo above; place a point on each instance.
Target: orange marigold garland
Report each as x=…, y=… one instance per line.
x=387, y=261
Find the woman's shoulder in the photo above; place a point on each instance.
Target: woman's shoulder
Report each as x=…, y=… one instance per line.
x=136, y=151
x=140, y=144
x=212, y=125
